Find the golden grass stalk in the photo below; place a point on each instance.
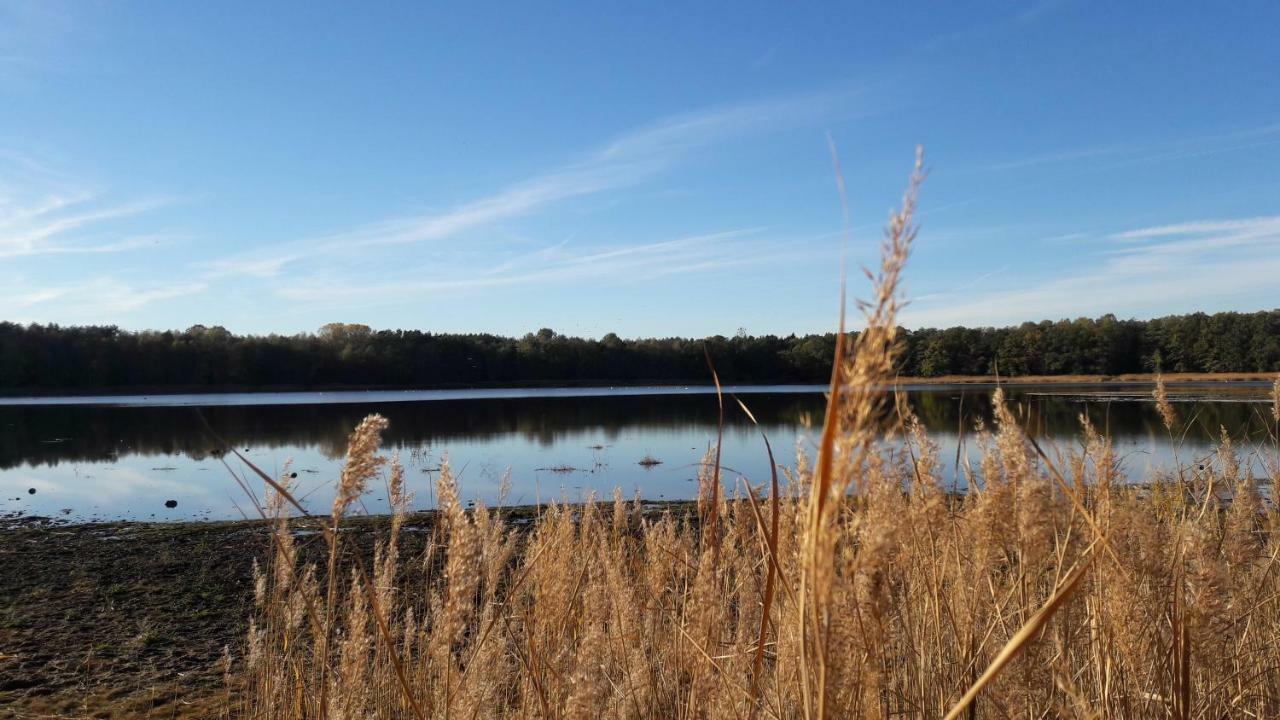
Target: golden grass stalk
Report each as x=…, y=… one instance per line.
x=1275, y=399
x=1021, y=638
x=1167, y=414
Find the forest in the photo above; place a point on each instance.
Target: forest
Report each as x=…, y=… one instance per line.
x=46, y=358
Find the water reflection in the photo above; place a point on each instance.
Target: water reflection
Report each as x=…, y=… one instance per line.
x=93, y=462
x=48, y=435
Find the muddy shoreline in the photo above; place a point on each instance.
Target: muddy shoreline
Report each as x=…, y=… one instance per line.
x=120, y=620
x=130, y=619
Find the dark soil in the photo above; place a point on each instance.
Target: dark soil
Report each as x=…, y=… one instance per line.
x=121, y=620
x=129, y=620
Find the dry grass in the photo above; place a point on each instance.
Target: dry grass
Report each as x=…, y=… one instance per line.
x=856, y=588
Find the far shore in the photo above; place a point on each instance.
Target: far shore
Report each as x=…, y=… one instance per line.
x=977, y=380
x=1128, y=378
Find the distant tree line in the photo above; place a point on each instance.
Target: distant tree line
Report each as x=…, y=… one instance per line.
x=50, y=357
x=1200, y=343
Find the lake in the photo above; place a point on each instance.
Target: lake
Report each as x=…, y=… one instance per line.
x=124, y=457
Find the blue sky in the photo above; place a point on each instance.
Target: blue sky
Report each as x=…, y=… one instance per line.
x=644, y=170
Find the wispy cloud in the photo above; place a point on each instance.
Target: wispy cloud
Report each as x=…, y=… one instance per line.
x=29, y=32
x=104, y=299
x=133, y=243
x=1121, y=154
x=46, y=213
x=1248, y=228
x=623, y=162
x=247, y=265
x=765, y=59
x=519, y=199
x=976, y=282
x=552, y=265
x=1037, y=10
x=984, y=30
x=110, y=297
x=43, y=213
x=1182, y=267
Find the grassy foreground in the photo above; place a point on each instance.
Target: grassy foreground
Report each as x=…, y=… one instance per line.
x=1056, y=591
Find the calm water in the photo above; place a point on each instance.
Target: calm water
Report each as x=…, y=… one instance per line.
x=124, y=457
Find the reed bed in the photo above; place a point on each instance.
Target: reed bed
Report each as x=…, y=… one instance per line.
x=850, y=584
